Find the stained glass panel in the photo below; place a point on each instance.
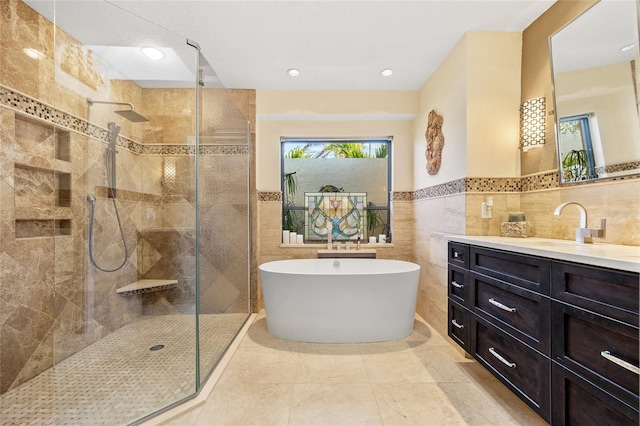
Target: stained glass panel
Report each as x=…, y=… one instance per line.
x=341, y=213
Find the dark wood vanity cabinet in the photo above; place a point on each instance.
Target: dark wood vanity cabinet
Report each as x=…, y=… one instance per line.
x=562, y=336
x=595, y=341
x=502, y=301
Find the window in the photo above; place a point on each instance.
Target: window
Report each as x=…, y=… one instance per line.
x=340, y=184
x=576, y=148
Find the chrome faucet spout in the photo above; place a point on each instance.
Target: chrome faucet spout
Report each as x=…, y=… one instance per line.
x=581, y=209
x=583, y=234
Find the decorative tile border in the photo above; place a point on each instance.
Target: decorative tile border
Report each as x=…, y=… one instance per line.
x=621, y=167
x=402, y=196
x=269, y=196
x=191, y=149
x=538, y=181
x=534, y=182
x=492, y=184
x=27, y=105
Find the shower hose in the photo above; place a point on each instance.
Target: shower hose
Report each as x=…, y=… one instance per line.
x=92, y=200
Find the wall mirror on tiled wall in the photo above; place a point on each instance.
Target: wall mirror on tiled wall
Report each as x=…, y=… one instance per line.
x=594, y=61
x=337, y=166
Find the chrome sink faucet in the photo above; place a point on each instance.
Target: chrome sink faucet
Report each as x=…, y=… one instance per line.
x=584, y=235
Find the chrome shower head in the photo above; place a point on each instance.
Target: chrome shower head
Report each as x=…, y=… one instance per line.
x=129, y=114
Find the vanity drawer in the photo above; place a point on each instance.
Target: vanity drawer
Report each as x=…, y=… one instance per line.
x=608, y=292
x=523, y=370
x=458, y=284
x=458, y=326
x=591, y=344
x=520, y=312
x=530, y=272
x=578, y=402
x=459, y=254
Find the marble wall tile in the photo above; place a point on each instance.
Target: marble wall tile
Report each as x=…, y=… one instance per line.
x=616, y=201
x=455, y=213
x=431, y=249
x=80, y=300
x=22, y=28
x=34, y=139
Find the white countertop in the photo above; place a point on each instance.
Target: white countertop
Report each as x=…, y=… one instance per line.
x=613, y=256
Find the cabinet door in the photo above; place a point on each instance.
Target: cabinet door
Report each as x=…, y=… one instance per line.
x=578, y=402
x=607, y=292
x=520, y=312
x=530, y=272
x=459, y=254
x=603, y=350
x=520, y=368
x=458, y=284
x=458, y=326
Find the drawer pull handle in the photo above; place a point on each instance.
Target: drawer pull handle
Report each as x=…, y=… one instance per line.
x=501, y=359
x=455, y=324
x=494, y=302
x=620, y=362
x=456, y=285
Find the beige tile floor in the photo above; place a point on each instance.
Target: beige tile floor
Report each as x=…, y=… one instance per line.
x=419, y=380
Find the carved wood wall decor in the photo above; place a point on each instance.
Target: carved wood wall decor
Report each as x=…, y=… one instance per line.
x=435, y=142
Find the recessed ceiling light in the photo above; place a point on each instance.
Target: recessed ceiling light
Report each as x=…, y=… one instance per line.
x=627, y=47
x=386, y=72
x=293, y=72
x=152, y=53
x=33, y=53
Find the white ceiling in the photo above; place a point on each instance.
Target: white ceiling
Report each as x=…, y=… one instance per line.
x=336, y=45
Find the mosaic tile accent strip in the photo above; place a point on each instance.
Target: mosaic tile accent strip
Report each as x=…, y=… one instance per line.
x=270, y=196
x=535, y=182
x=27, y=105
x=492, y=184
x=448, y=188
x=621, y=167
x=539, y=181
x=191, y=149
x=402, y=196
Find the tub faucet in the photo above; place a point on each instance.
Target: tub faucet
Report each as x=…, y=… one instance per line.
x=584, y=235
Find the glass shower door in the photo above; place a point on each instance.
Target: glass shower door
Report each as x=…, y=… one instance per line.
x=223, y=219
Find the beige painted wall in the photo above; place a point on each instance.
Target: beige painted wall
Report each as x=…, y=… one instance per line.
x=444, y=92
x=333, y=114
x=477, y=90
x=536, y=75
x=493, y=101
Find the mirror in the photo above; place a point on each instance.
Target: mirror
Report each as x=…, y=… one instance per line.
x=595, y=74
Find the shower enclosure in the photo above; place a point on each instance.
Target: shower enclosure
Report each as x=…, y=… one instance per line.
x=124, y=231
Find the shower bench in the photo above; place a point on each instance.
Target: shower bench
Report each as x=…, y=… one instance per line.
x=145, y=286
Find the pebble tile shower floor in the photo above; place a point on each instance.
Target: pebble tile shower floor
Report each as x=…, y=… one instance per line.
x=118, y=379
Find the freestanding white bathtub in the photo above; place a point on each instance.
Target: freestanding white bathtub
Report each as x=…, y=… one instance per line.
x=339, y=300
